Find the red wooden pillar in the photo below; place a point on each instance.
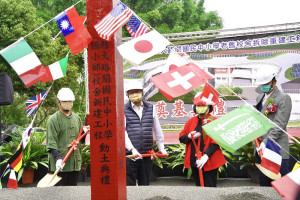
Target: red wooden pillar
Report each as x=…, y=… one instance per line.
x=106, y=118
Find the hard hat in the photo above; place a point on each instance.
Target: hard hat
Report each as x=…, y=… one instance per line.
x=203, y=101
x=265, y=74
x=65, y=94
x=134, y=85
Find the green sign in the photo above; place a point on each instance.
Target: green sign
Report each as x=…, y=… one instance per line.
x=238, y=128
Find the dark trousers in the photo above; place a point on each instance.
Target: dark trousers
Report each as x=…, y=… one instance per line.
x=68, y=178
x=266, y=181
x=209, y=177
x=138, y=171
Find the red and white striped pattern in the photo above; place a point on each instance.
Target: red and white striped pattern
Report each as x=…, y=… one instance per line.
x=141, y=30
x=114, y=20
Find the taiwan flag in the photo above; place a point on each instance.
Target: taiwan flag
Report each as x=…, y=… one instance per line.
x=73, y=29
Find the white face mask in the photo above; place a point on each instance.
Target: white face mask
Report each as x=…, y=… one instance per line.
x=136, y=97
x=66, y=105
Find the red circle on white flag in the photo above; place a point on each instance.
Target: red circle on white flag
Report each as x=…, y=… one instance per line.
x=143, y=46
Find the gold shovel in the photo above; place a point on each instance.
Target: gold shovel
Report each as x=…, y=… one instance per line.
x=51, y=179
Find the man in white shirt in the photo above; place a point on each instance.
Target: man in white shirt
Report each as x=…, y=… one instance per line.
x=141, y=122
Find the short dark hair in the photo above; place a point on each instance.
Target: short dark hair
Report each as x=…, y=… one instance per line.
x=211, y=108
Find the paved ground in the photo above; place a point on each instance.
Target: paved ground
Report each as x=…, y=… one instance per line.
x=165, y=188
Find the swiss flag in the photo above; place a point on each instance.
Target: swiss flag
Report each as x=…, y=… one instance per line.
x=209, y=93
x=139, y=49
x=180, y=81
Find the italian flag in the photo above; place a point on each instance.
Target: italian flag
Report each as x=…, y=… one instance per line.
x=24, y=61
x=56, y=70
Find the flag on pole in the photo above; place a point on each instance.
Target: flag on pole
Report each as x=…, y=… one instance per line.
x=26, y=134
x=271, y=158
x=15, y=160
x=175, y=60
x=56, y=70
x=73, y=29
x=12, y=180
x=135, y=27
x=237, y=128
x=180, y=80
x=24, y=61
x=208, y=94
x=288, y=186
x=33, y=103
x=114, y=20
x=139, y=49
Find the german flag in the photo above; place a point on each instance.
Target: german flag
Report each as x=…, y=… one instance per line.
x=16, y=160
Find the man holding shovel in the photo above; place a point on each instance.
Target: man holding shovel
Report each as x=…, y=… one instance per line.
x=62, y=129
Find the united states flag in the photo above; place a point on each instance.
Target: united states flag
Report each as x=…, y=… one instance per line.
x=135, y=27
x=114, y=20
x=33, y=103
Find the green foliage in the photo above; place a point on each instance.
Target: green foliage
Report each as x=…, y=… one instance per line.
x=34, y=154
x=238, y=90
x=177, y=153
x=225, y=90
x=246, y=156
x=295, y=148
x=85, y=156
x=170, y=16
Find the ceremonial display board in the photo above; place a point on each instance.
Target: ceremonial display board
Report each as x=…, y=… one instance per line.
x=108, y=177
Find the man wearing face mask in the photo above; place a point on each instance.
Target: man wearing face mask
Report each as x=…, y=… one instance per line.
x=212, y=156
x=141, y=122
x=62, y=129
x=266, y=80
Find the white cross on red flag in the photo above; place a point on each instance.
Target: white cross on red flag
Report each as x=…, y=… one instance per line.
x=180, y=80
x=209, y=93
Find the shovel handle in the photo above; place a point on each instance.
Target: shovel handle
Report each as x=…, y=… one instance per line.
x=80, y=136
x=257, y=145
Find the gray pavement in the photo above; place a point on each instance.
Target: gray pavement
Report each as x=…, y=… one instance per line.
x=165, y=188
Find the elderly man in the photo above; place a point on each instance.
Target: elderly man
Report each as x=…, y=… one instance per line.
x=267, y=79
x=141, y=123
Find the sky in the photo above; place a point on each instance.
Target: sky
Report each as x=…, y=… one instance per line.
x=249, y=13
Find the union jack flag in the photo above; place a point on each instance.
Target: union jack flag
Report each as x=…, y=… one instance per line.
x=33, y=103
x=136, y=28
x=114, y=20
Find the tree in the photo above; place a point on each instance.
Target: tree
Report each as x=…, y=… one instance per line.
x=238, y=90
x=17, y=19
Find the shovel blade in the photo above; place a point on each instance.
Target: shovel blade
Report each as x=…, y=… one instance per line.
x=49, y=180
x=267, y=172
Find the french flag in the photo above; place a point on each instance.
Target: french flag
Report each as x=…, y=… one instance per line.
x=271, y=158
x=288, y=186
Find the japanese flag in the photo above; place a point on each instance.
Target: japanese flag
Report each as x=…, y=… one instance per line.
x=180, y=80
x=208, y=94
x=139, y=49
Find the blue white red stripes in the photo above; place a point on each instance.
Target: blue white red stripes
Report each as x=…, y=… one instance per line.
x=271, y=159
x=135, y=27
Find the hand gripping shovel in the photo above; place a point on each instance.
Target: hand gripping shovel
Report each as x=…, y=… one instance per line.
x=51, y=179
x=265, y=171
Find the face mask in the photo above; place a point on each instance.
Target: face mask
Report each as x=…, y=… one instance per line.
x=136, y=97
x=66, y=105
x=201, y=110
x=265, y=88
